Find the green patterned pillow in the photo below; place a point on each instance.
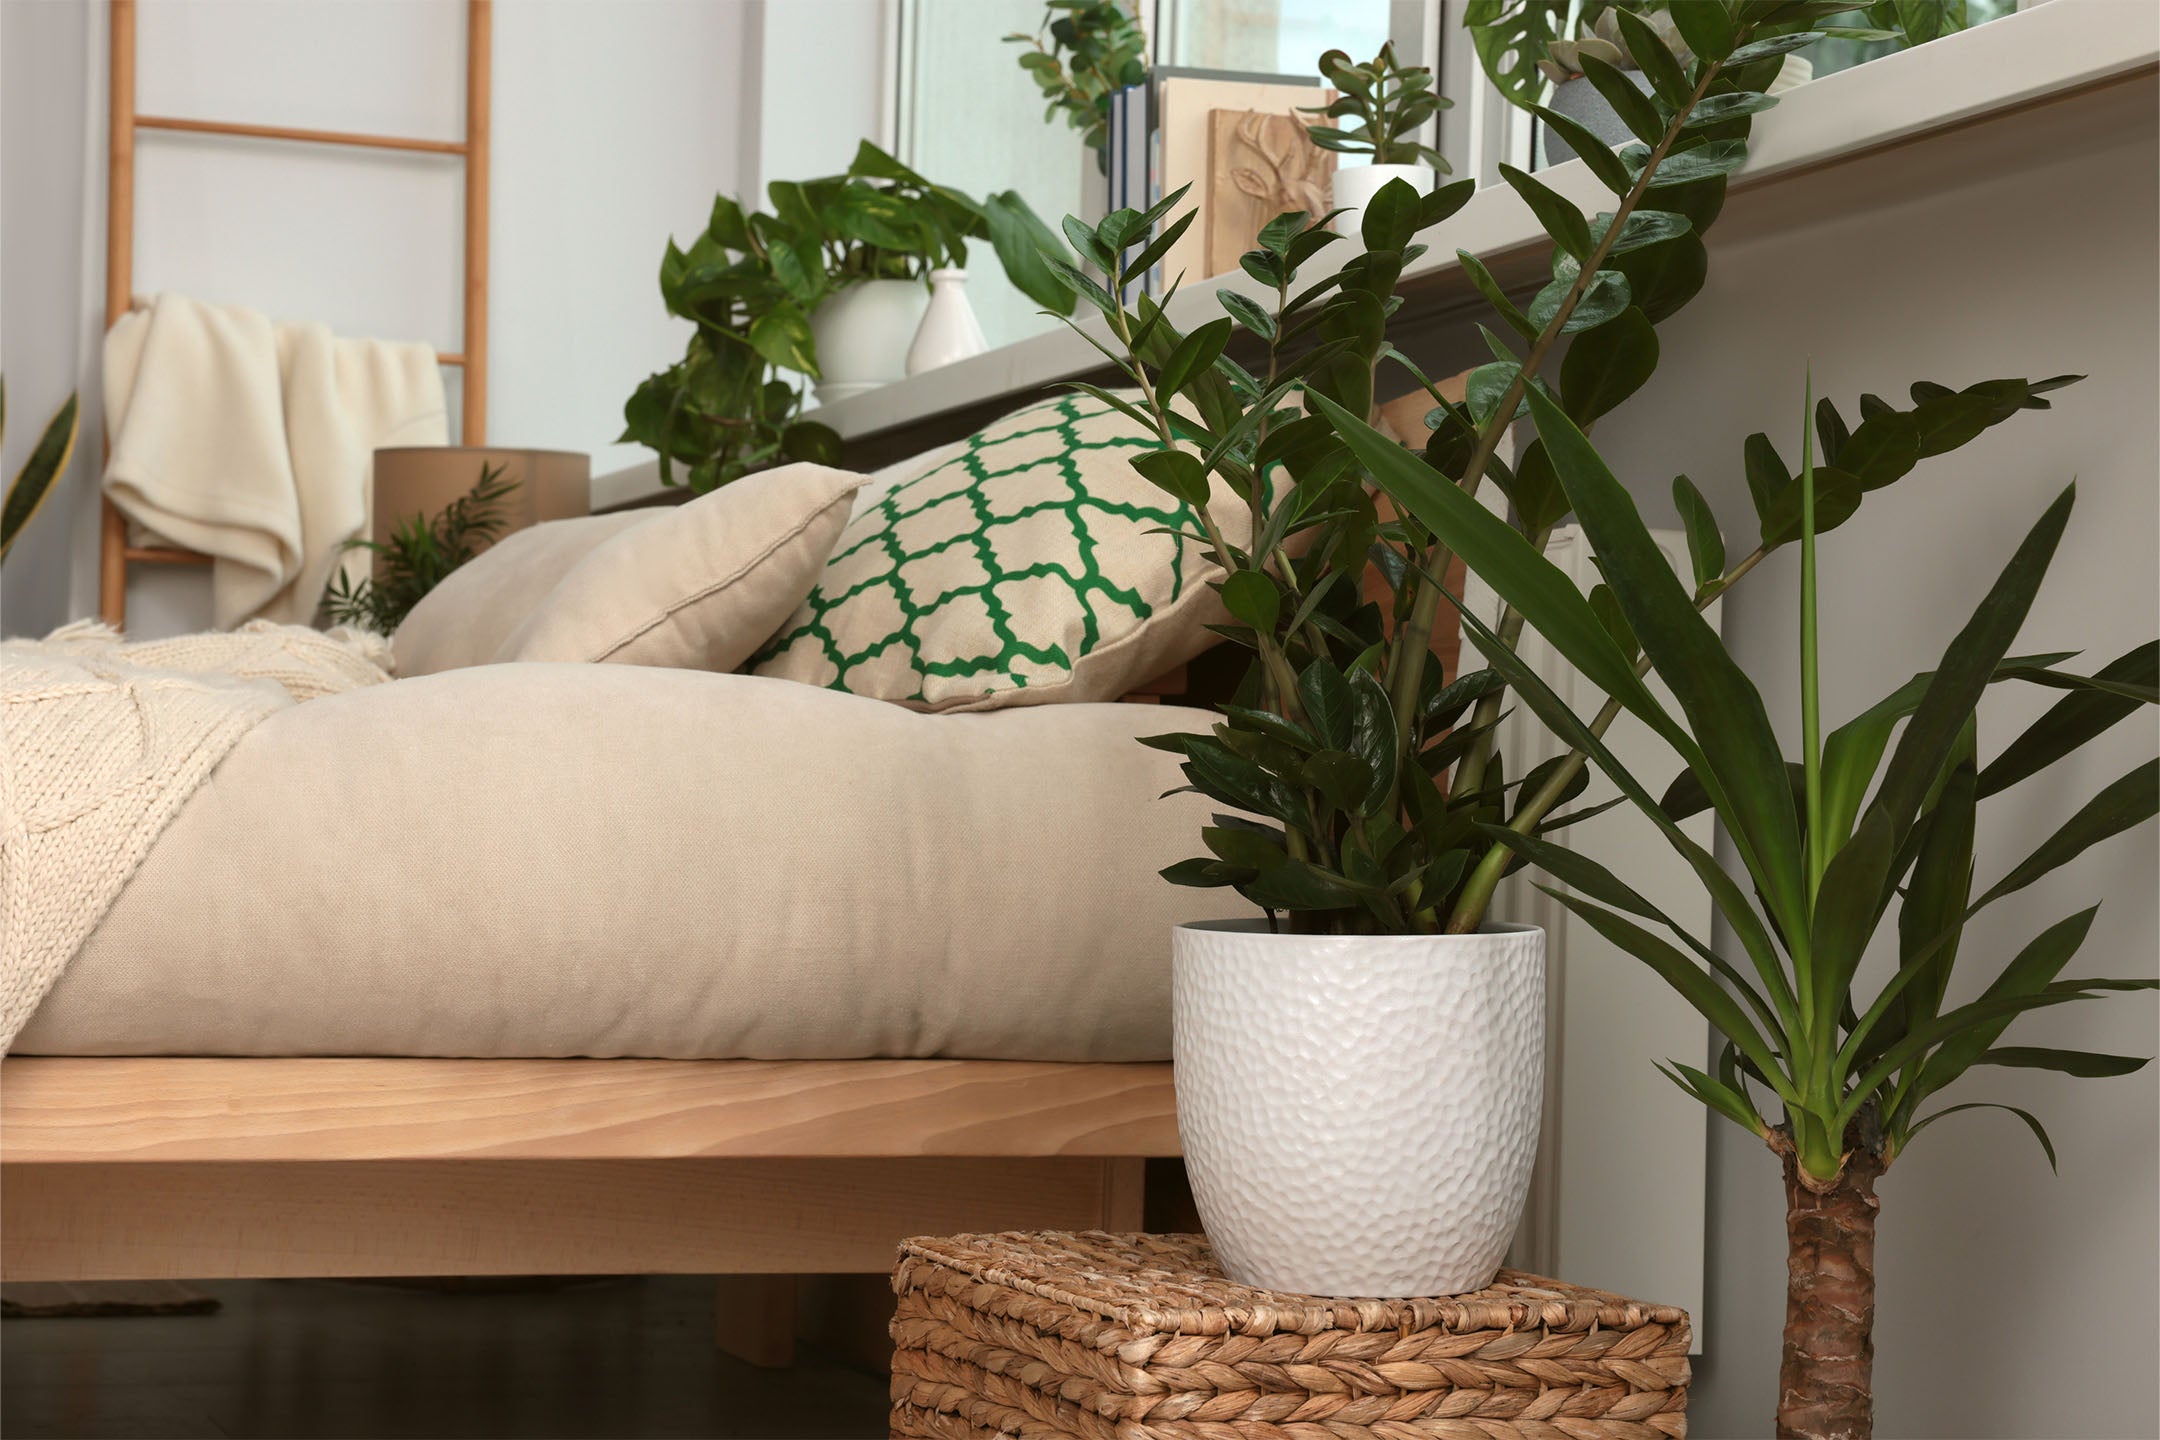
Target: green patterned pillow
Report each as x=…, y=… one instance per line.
x=1029, y=567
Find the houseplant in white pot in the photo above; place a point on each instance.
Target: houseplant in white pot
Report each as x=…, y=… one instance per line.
x=1390, y=103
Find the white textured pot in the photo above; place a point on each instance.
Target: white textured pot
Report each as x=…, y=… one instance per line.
x=949, y=329
x=1359, y=1113
x=863, y=334
x=1354, y=188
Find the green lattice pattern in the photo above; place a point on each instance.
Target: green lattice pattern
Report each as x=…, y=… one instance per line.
x=1035, y=545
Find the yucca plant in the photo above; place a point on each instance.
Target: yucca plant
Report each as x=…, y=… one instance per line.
x=34, y=482
x=1828, y=842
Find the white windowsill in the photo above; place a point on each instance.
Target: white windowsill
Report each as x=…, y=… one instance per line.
x=1919, y=101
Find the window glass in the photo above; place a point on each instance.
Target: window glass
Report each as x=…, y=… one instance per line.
x=1272, y=37
x=1830, y=56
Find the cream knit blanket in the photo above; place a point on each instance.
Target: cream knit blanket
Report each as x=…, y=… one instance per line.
x=102, y=741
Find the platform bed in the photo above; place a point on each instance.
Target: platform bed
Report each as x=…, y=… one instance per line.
x=211, y=1168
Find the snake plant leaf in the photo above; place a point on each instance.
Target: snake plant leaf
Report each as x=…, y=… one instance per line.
x=1968, y=666
x=1695, y=985
x=1493, y=549
x=2084, y=1064
x=2032, y=1123
x=2072, y=721
x=2123, y=805
x=1566, y=224
x=1717, y=1095
x=1746, y=769
x=1706, y=545
x=1605, y=366
x=1630, y=104
x=1595, y=153
x=39, y=475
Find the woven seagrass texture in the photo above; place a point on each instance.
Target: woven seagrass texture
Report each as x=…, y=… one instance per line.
x=1133, y=1337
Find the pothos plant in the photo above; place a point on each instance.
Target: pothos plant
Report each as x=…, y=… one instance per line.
x=1362, y=789
x=1094, y=48
x=1390, y=102
x=750, y=283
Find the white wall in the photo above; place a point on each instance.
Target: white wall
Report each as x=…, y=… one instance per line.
x=2013, y=1303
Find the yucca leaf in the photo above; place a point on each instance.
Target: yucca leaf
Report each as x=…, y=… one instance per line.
x=2032, y=1123
x=1746, y=769
x=1941, y=886
x=1965, y=1020
x=2128, y=802
x=1580, y=872
x=1570, y=730
x=1717, y=1095
x=1967, y=667
x=2085, y=1064
x=1694, y=984
x=1844, y=918
x=2072, y=720
x=1495, y=551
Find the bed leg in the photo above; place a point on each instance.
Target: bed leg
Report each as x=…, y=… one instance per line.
x=1124, y=1201
x=756, y=1319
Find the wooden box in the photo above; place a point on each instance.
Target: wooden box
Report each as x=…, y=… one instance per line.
x=1130, y=1337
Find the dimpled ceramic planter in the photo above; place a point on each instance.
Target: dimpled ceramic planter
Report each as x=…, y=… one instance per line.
x=1359, y=1113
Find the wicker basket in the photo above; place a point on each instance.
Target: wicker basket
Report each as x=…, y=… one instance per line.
x=1129, y=1337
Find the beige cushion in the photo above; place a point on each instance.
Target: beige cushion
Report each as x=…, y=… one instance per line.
x=699, y=587
x=1031, y=565
x=464, y=620
x=613, y=860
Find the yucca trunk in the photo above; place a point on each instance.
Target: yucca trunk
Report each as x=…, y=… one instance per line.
x=1825, y=1387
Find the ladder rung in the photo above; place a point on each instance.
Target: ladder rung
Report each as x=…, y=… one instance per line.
x=164, y=555
x=311, y=137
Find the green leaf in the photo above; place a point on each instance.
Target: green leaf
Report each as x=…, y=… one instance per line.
x=1607, y=296
x=1390, y=218
x=1558, y=215
x=1482, y=279
x=2084, y=1064
x=1248, y=313
x=1179, y=472
x=783, y=337
x=1684, y=167
x=1837, y=496
x=1194, y=354
x=40, y=473
x=1664, y=276
x=1767, y=477
x=1774, y=46
x=1653, y=59
x=2026, y=978
x=1199, y=873
x=1966, y=669
x=1593, y=152
x=1373, y=737
x=1630, y=104
x=1717, y=109
x=2072, y=721
x=1723, y=1098
x=1242, y=846
x=1299, y=885
x=1705, y=543
x=1708, y=29
x=1931, y=922
x=2032, y=1123
x=2127, y=803
x=1605, y=366
x=1254, y=598
x=1845, y=911
x=1747, y=769
x=1341, y=778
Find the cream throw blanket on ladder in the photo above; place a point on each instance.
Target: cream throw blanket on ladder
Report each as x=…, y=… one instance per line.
x=102, y=741
x=251, y=442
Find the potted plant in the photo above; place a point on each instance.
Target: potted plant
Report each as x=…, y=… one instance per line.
x=419, y=555
x=1391, y=103
x=1359, y=1074
x=830, y=285
x=1095, y=48
x=1827, y=844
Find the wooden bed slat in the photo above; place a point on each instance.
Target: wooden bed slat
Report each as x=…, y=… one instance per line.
x=58, y=1112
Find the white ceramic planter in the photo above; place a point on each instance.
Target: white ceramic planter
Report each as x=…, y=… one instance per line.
x=863, y=334
x=1359, y=1113
x=1355, y=187
x=949, y=329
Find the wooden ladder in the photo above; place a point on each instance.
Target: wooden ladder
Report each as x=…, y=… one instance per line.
x=115, y=554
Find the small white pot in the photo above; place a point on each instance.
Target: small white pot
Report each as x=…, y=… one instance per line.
x=863, y=334
x=1359, y=1113
x=949, y=329
x=1355, y=187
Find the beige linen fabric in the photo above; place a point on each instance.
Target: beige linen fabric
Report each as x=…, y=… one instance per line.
x=536, y=860
x=700, y=587
x=464, y=620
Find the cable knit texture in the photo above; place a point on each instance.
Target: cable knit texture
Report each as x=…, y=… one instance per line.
x=101, y=741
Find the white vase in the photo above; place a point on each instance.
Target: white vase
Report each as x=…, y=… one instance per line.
x=1355, y=187
x=949, y=330
x=1359, y=1113
x=863, y=334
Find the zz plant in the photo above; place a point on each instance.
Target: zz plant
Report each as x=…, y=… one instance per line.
x=1362, y=790
x=1390, y=102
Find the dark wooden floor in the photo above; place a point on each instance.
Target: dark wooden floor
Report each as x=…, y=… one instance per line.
x=298, y=1359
